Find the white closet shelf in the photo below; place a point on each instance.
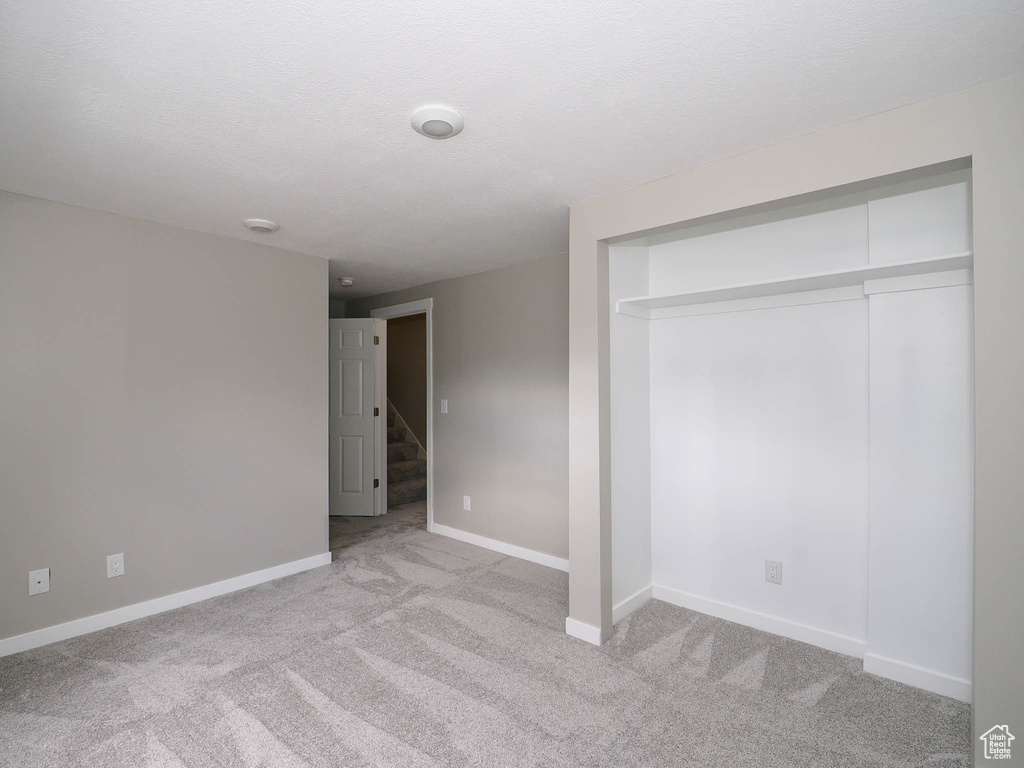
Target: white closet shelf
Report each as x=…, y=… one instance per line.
x=844, y=278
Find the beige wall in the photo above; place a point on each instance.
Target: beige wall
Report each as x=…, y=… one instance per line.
x=163, y=395
x=985, y=123
x=500, y=358
x=407, y=371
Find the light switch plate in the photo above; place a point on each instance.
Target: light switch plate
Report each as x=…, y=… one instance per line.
x=444, y=405
x=39, y=581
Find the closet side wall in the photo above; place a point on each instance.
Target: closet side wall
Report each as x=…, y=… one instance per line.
x=630, y=393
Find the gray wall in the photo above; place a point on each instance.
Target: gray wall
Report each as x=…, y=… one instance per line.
x=407, y=371
x=501, y=359
x=163, y=395
x=985, y=123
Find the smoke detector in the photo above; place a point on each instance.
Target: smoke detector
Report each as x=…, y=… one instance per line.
x=346, y=281
x=436, y=121
x=261, y=226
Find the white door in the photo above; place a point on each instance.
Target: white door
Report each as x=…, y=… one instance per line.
x=353, y=426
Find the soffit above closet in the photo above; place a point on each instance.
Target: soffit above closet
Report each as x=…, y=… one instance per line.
x=837, y=241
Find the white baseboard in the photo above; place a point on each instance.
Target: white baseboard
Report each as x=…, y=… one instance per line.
x=586, y=632
x=512, y=550
x=901, y=672
x=919, y=677
x=99, y=621
x=631, y=603
x=791, y=629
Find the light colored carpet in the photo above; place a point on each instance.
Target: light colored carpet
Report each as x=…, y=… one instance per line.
x=417, y=650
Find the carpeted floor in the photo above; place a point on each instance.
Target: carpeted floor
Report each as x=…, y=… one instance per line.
x=417, y=650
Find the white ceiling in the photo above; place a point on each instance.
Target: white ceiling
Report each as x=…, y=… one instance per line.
x=199, y=114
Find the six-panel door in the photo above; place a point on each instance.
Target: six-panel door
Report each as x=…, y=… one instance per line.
x=351, y=429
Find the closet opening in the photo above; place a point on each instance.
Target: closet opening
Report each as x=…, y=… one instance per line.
x=792, y=421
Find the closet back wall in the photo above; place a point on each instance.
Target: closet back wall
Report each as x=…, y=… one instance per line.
x=760, y=428
x=759, y=450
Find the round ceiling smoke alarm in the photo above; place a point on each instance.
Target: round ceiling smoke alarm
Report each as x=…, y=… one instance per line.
x=436, y=121
x=346, y=281
x=261, y=226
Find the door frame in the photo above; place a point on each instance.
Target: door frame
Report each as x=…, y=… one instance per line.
x=423, y=306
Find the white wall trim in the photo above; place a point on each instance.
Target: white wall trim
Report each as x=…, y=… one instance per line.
x=821, y=296
x=763, y=621
x=558, y=563
x=631, y=603
x=920, y=282
x=402, y=310
x=128, y=613
x=584, y=632
x=919, y=677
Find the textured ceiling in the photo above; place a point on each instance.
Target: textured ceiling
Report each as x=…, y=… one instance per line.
x=199, y=114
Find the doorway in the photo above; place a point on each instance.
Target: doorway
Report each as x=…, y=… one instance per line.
x=406, y=409
x=408, y=398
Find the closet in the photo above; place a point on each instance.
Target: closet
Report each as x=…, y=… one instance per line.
x=795, y=385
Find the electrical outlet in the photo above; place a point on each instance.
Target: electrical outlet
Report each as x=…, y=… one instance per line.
x=38, y=581
x=115, y=565
x=465, y=503
x=444, y=405
x=773, y=571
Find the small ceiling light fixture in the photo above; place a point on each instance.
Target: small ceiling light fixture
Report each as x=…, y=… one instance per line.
x=346, y=281
x=436, y=121
x=261, y=226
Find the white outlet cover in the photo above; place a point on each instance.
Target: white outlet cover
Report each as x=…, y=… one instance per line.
x=465, y=503
x=39, y=581
x=444, y=405
x=115, y=565
x=773, y=571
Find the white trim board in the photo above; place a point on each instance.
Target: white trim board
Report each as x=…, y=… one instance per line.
x=585, y=632
x=823, y=296
x=631, y=603
x=901, y=672
x=425, y=306
x=919, y=677
x=919, y=282
x=636, y=305
x=592, y=634
x=558, y=563
x=763, y=621
x=128, y=613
